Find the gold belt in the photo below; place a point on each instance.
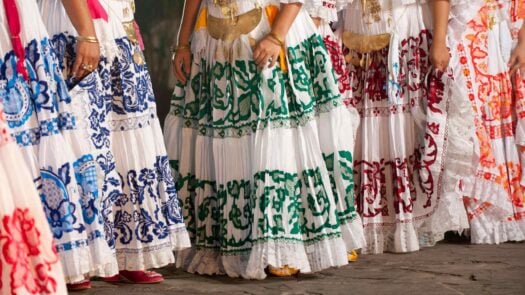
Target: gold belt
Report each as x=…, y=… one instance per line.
x=361, y=45
x=229, y=29
x=365, y=43
x=129, y=28
x=131, y=32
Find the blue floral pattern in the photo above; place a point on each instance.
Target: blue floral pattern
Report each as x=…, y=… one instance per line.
x=148, y=213
x=67, y=184
x=86, y=175
x=131, y=89
x=59, y=210
x=139, y=202
x=111, y=186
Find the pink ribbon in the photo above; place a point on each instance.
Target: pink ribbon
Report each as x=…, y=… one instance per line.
x=139, y=36
x=96, y=10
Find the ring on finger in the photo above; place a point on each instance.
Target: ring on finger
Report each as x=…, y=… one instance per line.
x=87, y=67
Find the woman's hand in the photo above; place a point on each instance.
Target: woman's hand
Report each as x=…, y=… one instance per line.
x=181, y=63
x=517, y=59
x=88, y=50
x=439, y=55
x=266, y=51
x=87, y=59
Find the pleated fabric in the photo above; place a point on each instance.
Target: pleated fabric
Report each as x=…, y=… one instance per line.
x=141, y=213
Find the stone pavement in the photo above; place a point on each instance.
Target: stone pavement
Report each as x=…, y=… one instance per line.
x=444, y=269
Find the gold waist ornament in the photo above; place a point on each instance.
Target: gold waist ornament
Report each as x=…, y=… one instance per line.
x=229, y=29
x=131, y=33
x=361, y=45
x=129, y=28
x=365, y=43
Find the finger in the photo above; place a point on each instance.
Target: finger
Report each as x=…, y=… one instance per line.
x=518, y=68
x=76, y=67
x=513, y=59
x=187, y=65
x=514, y=69
x=256, y=53
x=178, y=71
x=82, y=73
x=442, y=65
x=261, y=59
x=93, y=62
x=436, y=65
x=174, y=67
x=263, y=62
x=274, y=60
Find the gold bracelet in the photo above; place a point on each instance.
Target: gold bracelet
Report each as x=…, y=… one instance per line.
x=177, y=48
x=274, y=36
x=88, y=39
x=274, y=41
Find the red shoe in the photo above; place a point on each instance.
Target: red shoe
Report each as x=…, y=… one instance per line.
x=80, y=286
x=136, y=277
x=114, y=279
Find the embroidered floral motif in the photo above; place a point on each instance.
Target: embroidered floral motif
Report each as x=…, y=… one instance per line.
x=230, y=216
x=130, y=82
x=494, y=101
x=339, y=65
x=28, y=265
x=60, y=212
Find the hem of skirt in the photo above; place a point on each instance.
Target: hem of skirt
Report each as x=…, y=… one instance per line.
x=145, y=258
x=492, y=214
x=213, y=262
x=78, y=264
x=404, y=237
x=180, y=238
x=306, y=257
x=503, y=231
x=353, y=234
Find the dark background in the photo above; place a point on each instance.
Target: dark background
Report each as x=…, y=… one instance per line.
x=159, y=23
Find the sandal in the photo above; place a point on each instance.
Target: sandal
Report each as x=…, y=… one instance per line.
x=282, y=272
x=142, y=276
x=352, y=256
x=79, y=286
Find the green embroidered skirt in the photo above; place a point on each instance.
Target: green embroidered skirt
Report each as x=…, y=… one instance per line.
x=263, y=157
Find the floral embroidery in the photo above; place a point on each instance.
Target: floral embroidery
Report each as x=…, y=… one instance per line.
x=30, y=267
x=60, y=212
x=494, y=101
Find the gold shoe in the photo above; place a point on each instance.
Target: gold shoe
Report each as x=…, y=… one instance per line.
x=284, y=271
x=352, y=256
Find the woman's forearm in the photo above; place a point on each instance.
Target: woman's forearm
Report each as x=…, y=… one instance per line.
x=440, y=14
x=191, y=8
x=285, y=19
x=78, y=13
